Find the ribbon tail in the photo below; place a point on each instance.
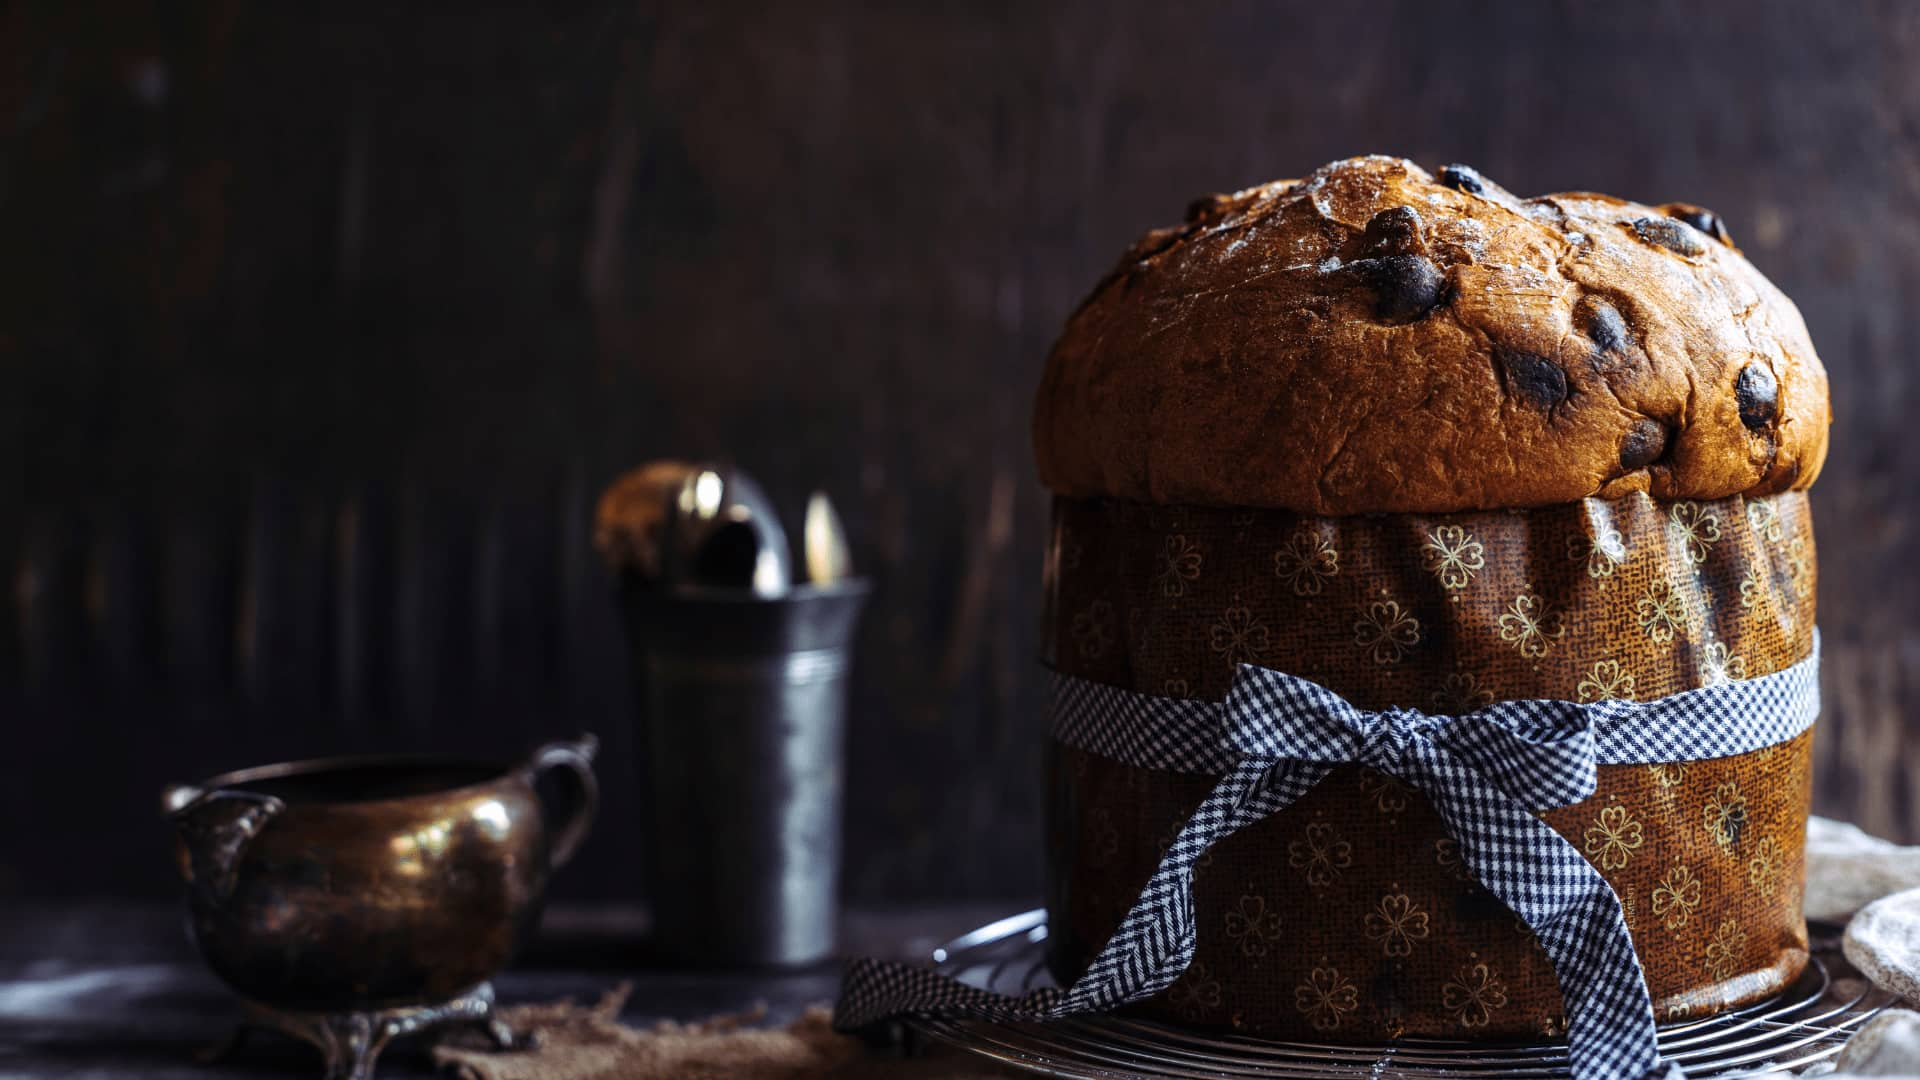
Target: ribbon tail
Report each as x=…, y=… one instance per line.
x=1153, y=945
x=1575, y=913
x=875, y=990
x=1155, y=941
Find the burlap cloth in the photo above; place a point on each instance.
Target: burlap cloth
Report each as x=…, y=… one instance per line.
x=588, y=1042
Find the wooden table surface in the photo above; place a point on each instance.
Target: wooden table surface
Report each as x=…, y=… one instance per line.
x=104, y=992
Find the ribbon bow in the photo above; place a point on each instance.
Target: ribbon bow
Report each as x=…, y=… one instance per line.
x=1276, y=736
x=1485, y=773
x=1541, y=753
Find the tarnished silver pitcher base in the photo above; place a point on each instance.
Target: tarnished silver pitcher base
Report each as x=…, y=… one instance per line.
x=351, y=1042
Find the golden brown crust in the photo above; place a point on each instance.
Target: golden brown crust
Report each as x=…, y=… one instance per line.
x=1375, y=339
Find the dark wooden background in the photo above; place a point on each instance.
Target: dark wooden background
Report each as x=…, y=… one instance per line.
x=323, y=325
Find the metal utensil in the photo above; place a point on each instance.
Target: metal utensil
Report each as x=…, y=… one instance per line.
x=723, y=532
x=823, y=541
x=676, y=523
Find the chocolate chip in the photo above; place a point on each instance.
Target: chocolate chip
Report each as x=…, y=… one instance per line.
x=1463, y=178
x=1404, y=287
x=1669, y=234
x=1535, y=378
x=1394, y=231
x=1701, y=218
x=1645, y=441
x=1602, y=323
x=1758, y=396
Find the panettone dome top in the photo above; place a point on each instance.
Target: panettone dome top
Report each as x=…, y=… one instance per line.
x=1377, y=338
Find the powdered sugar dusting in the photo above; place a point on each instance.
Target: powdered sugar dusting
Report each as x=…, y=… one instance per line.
x=1467, y=234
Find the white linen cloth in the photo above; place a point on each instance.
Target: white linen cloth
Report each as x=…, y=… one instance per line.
x=1873, y=887
x=1848, y=869
x=1888, y=1045
x=1883, y=942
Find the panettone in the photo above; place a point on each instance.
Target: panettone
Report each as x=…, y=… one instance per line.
x=1374, y=338
x=1432, y=446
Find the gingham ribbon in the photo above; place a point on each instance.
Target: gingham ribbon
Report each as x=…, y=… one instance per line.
x=1486, y=773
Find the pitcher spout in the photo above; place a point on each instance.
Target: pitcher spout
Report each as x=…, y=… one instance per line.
x=215, y=828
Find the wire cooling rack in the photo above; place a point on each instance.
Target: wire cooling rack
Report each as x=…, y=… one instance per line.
x=1805, y=1023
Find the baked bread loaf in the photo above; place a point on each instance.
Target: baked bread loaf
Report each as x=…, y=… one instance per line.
x=1431, y=447
x=1377, y=338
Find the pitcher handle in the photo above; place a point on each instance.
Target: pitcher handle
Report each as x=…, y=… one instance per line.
x=576, y=756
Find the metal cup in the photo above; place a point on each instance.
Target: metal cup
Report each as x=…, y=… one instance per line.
x=744, y=703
